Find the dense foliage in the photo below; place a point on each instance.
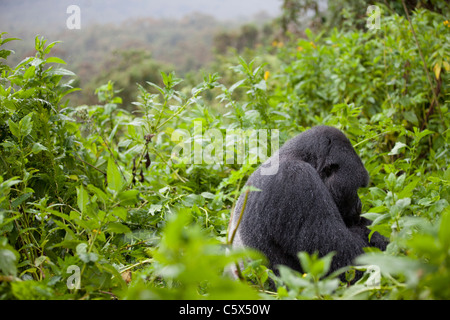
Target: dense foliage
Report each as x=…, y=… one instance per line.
x=101, y=202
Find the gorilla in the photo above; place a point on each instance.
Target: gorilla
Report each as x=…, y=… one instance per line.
x=310, y=204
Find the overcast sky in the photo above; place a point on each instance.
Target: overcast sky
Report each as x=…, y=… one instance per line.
x=37, y=13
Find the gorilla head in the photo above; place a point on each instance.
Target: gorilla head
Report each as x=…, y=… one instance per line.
x=331, y=154
x=311, y=204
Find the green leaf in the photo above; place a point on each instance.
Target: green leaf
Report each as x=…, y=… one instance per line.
x=26, y=125
x=261, y=85
x=208, y=195
x=403, y=203
x=8, y=261
x=29, y=73
x=60, y=72
x=82, y=198
x=117, y=227
x=16, y=202
x=408, y=190
x=397, y=148
x=314, y=265
x=84, y=255
x=32, y=290
x=3, y=41
x=14, y=128
x=161, y=90
x=237, y=84
x=37, y=147
x=35, y=62
x=154, y=208
x=420, y=135
x=193, y=199
x=40, y=260
x=411, y=117
x=292, y=278
x=115, y=182
x=50, y=46
x=120, y=212
x=377, y=193
x=5, y=185
x=99, y=193
x=309, y=34
x=55, y=60
x=376, y=210
x=381, y=219
x=444, y=230
x=129, y=197
x=393, y=265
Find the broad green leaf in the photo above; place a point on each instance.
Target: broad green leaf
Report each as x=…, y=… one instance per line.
x=35, y=62
x=120, y=212
x=377, y=193
x=115, y=182
x=403, y=203
x=411, y=117
x=82, y=198
x=26, y=125
x=37, y=147
x=129, y=197
x=82, y=248
x=29, y=73
x=39, y=260
x=292, y=278
x=381, y=219
x=14, y=128
x=208, y=195
x=84, y=255
x=8, y=261
x=55, y=60
x=16, y=202
x=408, y=190
x=117, y=227
x=60, y=72
x=376, y=210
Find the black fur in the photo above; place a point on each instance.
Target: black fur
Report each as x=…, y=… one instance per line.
x=311, y=204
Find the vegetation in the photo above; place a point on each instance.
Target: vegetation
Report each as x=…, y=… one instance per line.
x=105, y=201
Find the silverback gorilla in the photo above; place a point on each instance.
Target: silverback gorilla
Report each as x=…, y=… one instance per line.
x=310, y=204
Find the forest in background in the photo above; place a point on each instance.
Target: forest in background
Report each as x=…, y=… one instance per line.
x=96, y=204
x=136, y=50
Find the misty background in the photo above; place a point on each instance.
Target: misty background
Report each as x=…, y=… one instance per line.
x=130, y=42
x=45, y=15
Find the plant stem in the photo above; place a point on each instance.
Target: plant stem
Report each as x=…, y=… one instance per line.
x=433, y=90
x=230, y=241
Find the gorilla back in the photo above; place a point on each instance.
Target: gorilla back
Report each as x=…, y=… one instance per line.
x=310, y=204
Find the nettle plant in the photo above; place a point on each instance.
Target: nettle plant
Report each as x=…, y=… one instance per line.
x=86, y=191
x=35, y=143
